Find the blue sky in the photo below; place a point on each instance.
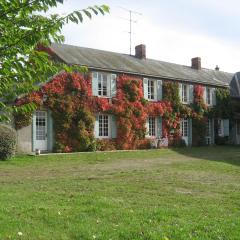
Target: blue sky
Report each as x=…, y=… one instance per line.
x=173, y=31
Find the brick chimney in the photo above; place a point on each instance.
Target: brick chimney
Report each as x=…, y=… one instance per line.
x=196, y=63
x=140, y=51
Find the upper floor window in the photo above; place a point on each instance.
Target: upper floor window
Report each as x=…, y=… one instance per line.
x=210, y=96
x=103, y=84
x=152, y=89
x=186, y=93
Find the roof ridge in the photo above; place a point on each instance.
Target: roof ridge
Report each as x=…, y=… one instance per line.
x=151, y=59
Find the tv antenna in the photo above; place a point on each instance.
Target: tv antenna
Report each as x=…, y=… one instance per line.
x=131, y=20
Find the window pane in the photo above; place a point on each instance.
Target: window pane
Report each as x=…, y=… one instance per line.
x=152, y=126
x=151, y=89
x=102, y=84
x=184, y=126
x=103, y=125
x=184, y=93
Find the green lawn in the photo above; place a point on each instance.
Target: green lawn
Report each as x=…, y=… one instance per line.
x=158, y=194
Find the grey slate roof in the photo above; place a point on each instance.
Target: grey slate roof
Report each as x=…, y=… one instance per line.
x=117, y=62
x=235, y=85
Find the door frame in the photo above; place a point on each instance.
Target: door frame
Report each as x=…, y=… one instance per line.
x=34, y=144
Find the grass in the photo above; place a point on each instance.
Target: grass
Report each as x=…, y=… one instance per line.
x=158, y=194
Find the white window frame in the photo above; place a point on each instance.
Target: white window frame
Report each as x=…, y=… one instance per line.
x=155, y=122
x=220, y=127
x=208, y=132
x=209, y=99
x=183, y=100
x=100, y=78
x=184, y=127
x=154, y=89
x=108, y=127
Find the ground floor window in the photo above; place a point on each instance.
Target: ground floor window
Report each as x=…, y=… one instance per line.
x=184, y=127
x=238, y=127
x=152, y=126
x=103, y=125
x=208, y=132
x=220, y=128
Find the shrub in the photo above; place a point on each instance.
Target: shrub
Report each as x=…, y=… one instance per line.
x=221, y=140
x=178, y=142
x=105, y=145
x=8, y=142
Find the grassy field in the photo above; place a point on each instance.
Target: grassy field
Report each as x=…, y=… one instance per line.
x=159, y=194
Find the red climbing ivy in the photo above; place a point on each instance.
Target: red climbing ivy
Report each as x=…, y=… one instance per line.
x=69, y=97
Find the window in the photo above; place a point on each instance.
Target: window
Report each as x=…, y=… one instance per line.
x=208, y=132
x=152, y=126
x=220, y=128
x=102, y=84
x=184, y=128
x=151, y=89
x=238, y=127
x=208, y=96
x=185, y=93
x=103, y=125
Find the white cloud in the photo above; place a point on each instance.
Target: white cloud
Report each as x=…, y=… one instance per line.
x=167, y=43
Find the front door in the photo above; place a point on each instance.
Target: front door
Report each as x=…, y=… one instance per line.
x=41, y=130
x=185, y=130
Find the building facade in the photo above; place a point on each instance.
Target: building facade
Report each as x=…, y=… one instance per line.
x=129, y=102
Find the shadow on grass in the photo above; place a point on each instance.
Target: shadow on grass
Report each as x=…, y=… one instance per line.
x=227, y=154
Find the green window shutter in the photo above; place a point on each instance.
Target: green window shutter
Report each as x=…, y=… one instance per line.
x=180, y=91
x=96, y=127
x=214, y=101
x=145, y=88
x=159, y=127
x=190, y=132
x=34, y=132
x=95, y=84
x=159, y=90
x=226, y=127
x=190, y=93
x=50, y=138
x=113, y=127
x=113, y=85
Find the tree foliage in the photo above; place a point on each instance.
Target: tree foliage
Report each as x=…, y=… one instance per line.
x=23, y=26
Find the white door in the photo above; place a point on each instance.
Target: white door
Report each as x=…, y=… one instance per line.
x=185, y=130
x=41, y=130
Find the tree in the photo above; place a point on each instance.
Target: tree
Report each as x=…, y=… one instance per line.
x=22, y=64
